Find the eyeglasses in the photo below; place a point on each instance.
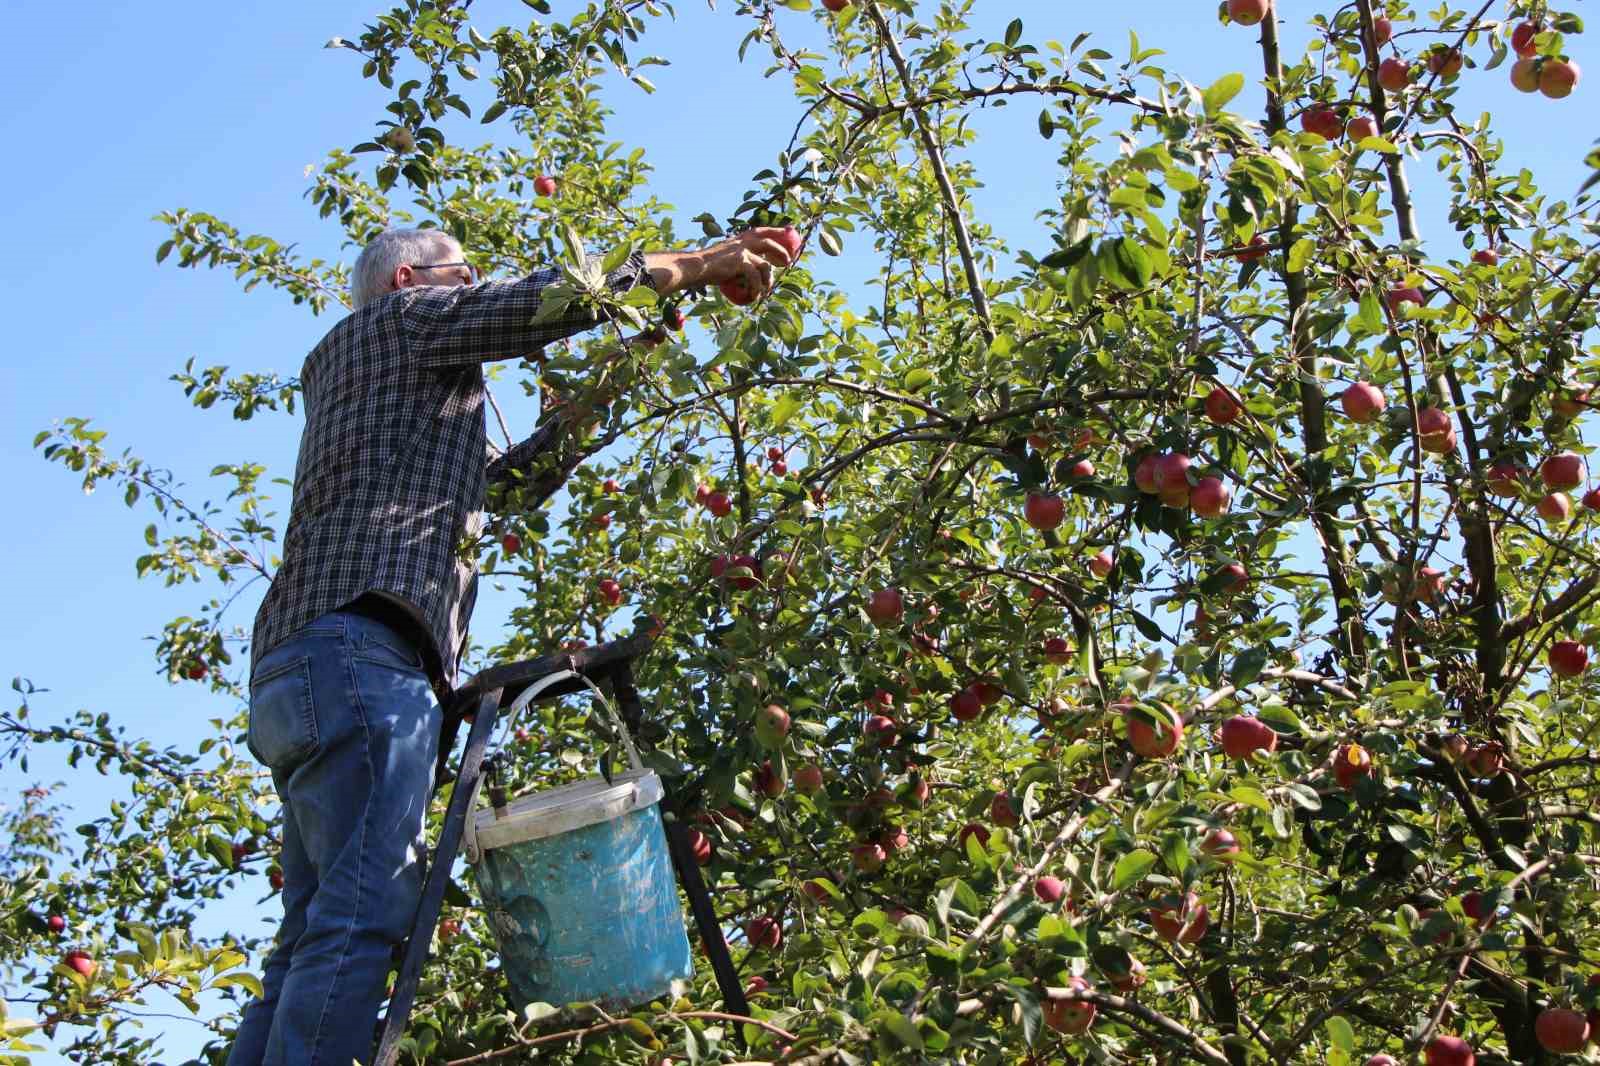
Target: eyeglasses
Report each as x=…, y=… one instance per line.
x=472, y=273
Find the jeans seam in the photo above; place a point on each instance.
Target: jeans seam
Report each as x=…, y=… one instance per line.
x=361, y=850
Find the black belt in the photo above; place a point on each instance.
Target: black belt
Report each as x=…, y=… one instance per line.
x=387, y=612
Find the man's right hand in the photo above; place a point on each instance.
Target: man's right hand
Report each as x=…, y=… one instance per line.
x=745, y=260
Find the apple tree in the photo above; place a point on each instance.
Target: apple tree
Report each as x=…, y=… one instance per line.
x=1167, y=641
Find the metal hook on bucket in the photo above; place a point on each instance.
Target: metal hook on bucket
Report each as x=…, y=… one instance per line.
x=470, y=850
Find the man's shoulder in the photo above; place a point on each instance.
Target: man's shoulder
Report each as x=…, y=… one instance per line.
x=366, y=334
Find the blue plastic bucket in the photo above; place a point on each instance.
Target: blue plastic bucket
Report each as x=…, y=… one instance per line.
x=579, y=889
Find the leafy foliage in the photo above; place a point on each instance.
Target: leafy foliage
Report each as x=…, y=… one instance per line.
x=1397, y=603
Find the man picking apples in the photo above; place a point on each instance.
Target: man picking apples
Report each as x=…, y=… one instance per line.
x=358, y=641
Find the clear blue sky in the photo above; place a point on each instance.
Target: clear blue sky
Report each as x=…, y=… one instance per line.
x=119, y=112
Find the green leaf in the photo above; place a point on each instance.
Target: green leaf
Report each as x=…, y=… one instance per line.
x=1221, y=91
x=1131, y=869
x=1147, y=627
x=248, y=981
x=785, y=408
x=1175, y=853
x=1250, y=797
x=1342, y=1035
x=916, y=379
x=1303, y=795
x=900, y=1027
x=495, y=110
x=1247, y=667
x=1124, y=263
x=1300, y=254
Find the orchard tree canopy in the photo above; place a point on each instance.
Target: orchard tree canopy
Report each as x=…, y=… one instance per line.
x=1182, y=622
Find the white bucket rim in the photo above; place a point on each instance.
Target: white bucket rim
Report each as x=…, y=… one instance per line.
x=551, y=812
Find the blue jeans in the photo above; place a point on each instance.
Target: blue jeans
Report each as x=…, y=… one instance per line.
x=344, y=716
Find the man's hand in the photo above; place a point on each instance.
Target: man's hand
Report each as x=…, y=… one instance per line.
x=746, y=260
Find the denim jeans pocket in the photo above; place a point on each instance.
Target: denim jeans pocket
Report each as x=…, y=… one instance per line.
x=283, y=715
x=386, y=650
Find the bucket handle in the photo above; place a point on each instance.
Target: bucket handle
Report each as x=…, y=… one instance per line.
x=471, y=852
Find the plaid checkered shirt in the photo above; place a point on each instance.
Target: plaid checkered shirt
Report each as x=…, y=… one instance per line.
x=391, y=472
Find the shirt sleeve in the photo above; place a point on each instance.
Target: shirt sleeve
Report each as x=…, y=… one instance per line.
x=450, y=327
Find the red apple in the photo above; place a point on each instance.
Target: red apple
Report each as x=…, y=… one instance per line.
x=1074, y=1016
x=881, y=731
x=755, y=986
x=1258, y=248
x=1555, y=507
x=1434, y=430
x=56, y=923
x=610, y=591
x=1210, y=496
x=1561, y=1031
x=1562, y=471
x=1001, y=812
x=1248, y=12
x=917, y=793
x=602, y=521
x=973, y=829
x=1363, y=402
x=1525, y=75
x=893, y=838
x=737, y=292
x=764, y=932
x=1243, y=734
x=1591, y=499
x=1171, y=476
x=1049, y=889
x=1360, y=128
x=808, y=779
x=1405, y=294
x=1382, y=31
x=674, y=319
x=868, y=858
x=766, y=780
x=1558, y=77
x=1056, y=650
x=772, y=725
x=1353, y=762
x=197, y=671
x=511, y=543
x=1568, y=658
x=1450, y=1051
x=791, y=239
x=1152, y=742
x=1522, y=38
x=779, y=468
x=965, y=705
x=1486, y=760
x=1131, y=979
x=1237, y=577
x=1144, y=475
x=1180, y=921
x=1504, y=479
x=836, y=5
x=1486, y=257
x=816, y=892
x=1381, y=1060
x=80, y=961
x=1570, y=403
x=1475, y=907
x=1101, y=564
x=1222, y=406
x=1445, y=62
x=1043, y=511
x=1323, y=121
x=544, y=185
x=1081, y=469
x=885, y=606
x=1220, y=845
x=719, y=504
x=275, y=879
x=699, y=847
x=1394, y=74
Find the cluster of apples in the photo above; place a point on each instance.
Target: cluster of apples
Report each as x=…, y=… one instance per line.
x=1554, y=76
x=1166, y=475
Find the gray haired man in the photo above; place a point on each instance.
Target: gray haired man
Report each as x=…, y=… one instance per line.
x=358, y=640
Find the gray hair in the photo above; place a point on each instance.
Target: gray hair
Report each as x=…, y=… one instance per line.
x=375, y=267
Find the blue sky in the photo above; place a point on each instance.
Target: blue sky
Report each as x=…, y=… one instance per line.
x=220, y=107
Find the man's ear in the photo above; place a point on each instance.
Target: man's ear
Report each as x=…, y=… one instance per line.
x=403, y=276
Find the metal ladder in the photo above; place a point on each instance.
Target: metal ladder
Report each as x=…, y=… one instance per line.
x=483, y=697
